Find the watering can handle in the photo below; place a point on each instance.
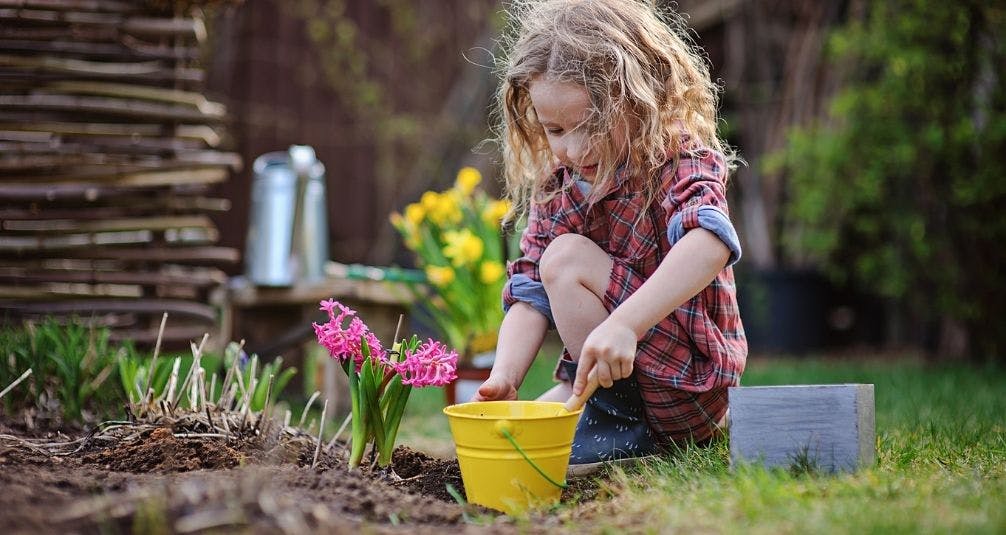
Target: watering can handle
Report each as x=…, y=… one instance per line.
x=575, y=403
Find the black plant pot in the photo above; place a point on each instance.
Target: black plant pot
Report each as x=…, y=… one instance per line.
x=784, y=311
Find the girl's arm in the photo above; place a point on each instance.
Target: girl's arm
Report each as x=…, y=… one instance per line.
x=689, y=266
x=520, y=337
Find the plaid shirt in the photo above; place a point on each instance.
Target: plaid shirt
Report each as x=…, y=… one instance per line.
x=684, y=363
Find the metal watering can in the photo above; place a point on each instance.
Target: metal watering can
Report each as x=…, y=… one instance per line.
x=287, y=240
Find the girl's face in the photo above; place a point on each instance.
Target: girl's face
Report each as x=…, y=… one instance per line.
x=564, y=110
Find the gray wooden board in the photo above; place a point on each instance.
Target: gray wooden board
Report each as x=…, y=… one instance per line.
x=831, y=427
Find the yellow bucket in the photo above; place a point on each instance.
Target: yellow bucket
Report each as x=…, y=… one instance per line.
x=513, y=454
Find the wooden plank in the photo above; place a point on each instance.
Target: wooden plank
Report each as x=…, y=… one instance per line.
x=825, y=427
x=130, y=49
x=62, y=18
x=93, y=194
x=166, y=27
x=167, y=151
x=158, y=27
x=110, y=106
x=194, y=277
x=378, y=292
x=124, y=206
x=72, y=244
x=199, y=255
x=56, y=160
x=156, y=94
x=157, y=307
x=48, y=68
x=104, y=6
x=51, y=291
x=172, y=334
x=155, y=223
x=203, y=133
x=148, y=179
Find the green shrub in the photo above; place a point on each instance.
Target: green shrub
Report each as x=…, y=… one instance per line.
x=900, y=190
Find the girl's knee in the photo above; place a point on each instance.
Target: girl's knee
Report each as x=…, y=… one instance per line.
x=566, y=257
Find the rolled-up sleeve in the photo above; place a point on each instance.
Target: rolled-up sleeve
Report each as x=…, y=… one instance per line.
x=696, y=198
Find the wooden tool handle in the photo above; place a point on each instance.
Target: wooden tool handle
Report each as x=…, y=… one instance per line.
x=574, y=403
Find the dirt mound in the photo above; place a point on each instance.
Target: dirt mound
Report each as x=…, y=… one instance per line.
x=427, y=475
x=155, y=477
x=160, y=451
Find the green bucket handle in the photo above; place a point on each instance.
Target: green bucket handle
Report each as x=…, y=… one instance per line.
x=503, y=427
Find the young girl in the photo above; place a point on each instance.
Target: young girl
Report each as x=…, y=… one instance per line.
x=610, y=148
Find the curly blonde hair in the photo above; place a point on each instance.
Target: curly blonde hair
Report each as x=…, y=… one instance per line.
x=639, y=69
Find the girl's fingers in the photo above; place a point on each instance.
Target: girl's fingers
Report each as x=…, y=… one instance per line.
x=626, y=366
x=583, y=367
x=604, y=377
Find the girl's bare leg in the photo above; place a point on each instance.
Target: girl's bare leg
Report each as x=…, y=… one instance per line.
x=575, y=273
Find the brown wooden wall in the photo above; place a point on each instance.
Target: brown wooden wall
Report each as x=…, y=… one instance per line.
x=269, y=72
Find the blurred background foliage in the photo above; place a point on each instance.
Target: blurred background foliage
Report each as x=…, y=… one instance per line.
x=899, y=189
x=873, y=133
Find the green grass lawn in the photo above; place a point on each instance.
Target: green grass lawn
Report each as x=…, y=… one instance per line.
x=941, y=461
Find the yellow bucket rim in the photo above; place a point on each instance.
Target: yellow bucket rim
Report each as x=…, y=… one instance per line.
x=459, y=410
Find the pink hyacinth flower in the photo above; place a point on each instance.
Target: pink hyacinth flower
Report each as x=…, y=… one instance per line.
x=431, y=364
x=344, y=342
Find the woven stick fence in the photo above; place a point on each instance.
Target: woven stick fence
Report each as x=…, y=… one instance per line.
x=108, y=156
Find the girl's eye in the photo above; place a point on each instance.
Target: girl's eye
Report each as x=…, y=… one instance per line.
x=554, y=131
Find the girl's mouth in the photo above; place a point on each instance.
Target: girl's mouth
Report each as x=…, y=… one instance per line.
x=589, y=170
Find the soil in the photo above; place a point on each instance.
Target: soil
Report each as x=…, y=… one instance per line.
x=158, y=481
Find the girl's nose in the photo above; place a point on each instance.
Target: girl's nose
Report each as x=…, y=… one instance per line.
x=576, y=149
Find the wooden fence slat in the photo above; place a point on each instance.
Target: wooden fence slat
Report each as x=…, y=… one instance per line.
x=49, y=291
x=169, y=177
x=24, y=158
x=129, y=49
x=104, y=6
x=195, y=277
x=172, y=333
x=123, y=207
x=54, y=69
x=183, y=254
x=203, y=133
x=76, y=192
x=123, y=107
x=155, y=223
x=156, y=94
x=173, y=307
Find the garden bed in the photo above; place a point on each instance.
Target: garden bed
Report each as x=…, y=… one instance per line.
x=157, y=477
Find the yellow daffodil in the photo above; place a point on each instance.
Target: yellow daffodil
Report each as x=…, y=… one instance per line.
x=414, y=214
x=446, y=209
x=440, y=276
x=462, y=247
x=439, y=229
x=494, y=212
x=468, y=178
x=429, y=201
x=485, y=341
x=490, y=271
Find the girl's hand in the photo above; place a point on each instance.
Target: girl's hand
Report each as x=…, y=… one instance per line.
x=611, y=348
x=496, y=389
